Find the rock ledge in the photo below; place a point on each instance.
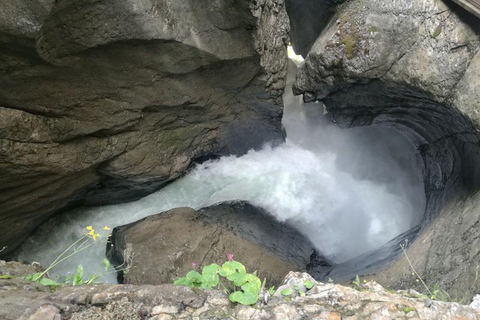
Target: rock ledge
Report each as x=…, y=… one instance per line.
x=24, y=300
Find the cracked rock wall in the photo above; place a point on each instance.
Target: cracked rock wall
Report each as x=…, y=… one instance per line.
x=104, y=103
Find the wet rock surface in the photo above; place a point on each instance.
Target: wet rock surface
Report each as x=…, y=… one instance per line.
x=412, y=66
x=446, y=254
x=402, y=64
x=307, y=20
x=163, y=247
x=322, y=301
x=103, y=103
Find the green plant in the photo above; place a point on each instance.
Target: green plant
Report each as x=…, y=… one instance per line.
x=439, y=294
x=436, y=293
x=243, y=287
x=286, y=292
x=271, y=290
x=300, y=291
x=413, y=269
x=350, y=44
x=84, y=242
x=357, y=284
x=308, y=284
x=437, y=31
x=78, y=277
x=408, y=309
x=477, y=269
x=38, y=277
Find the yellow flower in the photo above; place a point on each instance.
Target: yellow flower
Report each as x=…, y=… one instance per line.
x=89, y=228
x=94, y=236
x=106, y=228
x=92, y=232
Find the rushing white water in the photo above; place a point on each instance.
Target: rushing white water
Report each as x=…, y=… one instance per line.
x=349, y=191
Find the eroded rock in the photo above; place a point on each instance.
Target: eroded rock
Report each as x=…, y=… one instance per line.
x=413, y=66
x=307, y=20
x=103, y=103
x=322, y=301
x=163, y=247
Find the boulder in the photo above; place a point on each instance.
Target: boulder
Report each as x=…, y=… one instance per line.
x=106, y=102
x=161, y=248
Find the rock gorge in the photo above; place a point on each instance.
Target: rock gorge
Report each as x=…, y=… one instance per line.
x=104, y=103
x=414, y=66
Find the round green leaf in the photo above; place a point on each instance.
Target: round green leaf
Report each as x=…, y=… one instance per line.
x=231, y=267
x=238, y=279
x=210, y=276
x=286, y=292
x=49, y=282
x=254, y=281
x=245, y=298
x=194, y=276
x=183, y=282
x=308, y=284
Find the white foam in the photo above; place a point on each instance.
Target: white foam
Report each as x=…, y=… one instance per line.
x=349, y=191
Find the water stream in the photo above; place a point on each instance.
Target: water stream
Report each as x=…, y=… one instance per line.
x=348, y=190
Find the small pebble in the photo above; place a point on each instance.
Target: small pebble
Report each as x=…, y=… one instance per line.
x=428, y=303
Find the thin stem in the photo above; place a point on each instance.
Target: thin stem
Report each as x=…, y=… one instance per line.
x=58, y=261
x=60, y=256
x=224, y=288
x=111, y=272
x=74, y=253
x=415, y=271
x=79, y=248
x=66, y=250
x=476, y=276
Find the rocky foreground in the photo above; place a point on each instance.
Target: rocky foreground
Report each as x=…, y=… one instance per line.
x=20, y=299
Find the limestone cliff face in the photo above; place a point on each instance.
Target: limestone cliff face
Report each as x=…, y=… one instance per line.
x=104, y=102
x=414, y=66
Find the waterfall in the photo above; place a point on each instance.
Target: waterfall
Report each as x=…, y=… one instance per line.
x=348, y=190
